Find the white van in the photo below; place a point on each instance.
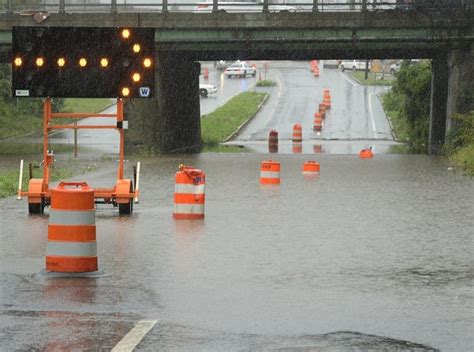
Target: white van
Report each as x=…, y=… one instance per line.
x=243, y=6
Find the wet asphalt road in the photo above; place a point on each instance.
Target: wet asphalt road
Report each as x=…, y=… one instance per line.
x=370, y=255
x=367, y=256
x=356, y=113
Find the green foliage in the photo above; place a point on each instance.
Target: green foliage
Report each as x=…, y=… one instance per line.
x=9, y=179
x=464, y=158
x=17, y=116
x=459, y=144
x=408, y=105
x=266, y=83
x=462, y=135
x=220, y=124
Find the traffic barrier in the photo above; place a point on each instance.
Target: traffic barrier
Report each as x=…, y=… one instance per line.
x=366, y=153
x=72, y=246
x=297, y=133
x=189, y=193
x=316, y=71
x=206, y=73
x=311, y=168
x=327, y=99
x=270, y=172
x=297, y=147
x=322, y=110
x=273, y=141
x=318, y=122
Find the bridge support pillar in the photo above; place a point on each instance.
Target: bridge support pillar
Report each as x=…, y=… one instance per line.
x=460, y=85
x=179, y=115
x=439, y=94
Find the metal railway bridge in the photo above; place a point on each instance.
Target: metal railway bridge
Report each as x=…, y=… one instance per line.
x=367, y=30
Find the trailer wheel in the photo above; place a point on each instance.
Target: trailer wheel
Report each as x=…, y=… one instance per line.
x=127, y=208
x=36, y=208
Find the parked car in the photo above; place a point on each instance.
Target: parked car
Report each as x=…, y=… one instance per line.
x=353, y=65
x=394, y=68
x=242, y=6
x=331, y=63
x=240, y=69
x=206, y=89
x=222, y=65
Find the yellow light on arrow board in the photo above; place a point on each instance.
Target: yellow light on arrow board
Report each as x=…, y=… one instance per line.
x=18, y=61
x=147, y=62
x=125, y=92
x=61, y=62
x=82, y=62
x=125, y=33
x=104, y=62
x=39, y=62
x=136, y=48
x=136, y=77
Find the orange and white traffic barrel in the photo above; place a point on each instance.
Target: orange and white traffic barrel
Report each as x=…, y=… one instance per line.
x=366, y=153
x=189, y=193
x=310, y=168
x=273, y=141
x=322, y=110
x=316, y=71
x=297, y=133
x=270, y=172
x=318, y=122
x=72, y=245
x=327, y=99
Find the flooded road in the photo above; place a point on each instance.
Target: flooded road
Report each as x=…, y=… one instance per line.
x=371, y=255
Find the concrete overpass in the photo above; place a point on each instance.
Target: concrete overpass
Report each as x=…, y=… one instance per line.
x=446, y=36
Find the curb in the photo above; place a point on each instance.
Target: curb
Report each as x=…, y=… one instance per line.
x=245, y=123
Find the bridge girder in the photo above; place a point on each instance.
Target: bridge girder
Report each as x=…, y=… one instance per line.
x=388, y=34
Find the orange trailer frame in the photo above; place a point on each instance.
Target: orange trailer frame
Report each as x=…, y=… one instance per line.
x=123, y=194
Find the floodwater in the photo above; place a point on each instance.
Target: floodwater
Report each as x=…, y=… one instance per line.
x=370, y=255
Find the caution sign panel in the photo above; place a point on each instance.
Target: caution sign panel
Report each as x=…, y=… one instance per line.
x=83, y=62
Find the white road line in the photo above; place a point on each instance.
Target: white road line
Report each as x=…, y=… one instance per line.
x=134, y=336
x=347, y=79
x=372, y=115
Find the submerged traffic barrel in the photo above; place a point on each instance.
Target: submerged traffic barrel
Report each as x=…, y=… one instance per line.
x=270, y=172
x=72, y=245
x=311, y=167
x=366, y=153
x=273, y=142
x=297, y=133
x=189, y=193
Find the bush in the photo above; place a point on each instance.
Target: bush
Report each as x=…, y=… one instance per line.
x=408, y=105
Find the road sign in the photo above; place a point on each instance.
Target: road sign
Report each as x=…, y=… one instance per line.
x=83, y=62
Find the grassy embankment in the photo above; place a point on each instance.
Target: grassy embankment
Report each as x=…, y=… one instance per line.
x=373, y=79
x=14, y=125
x=226, y=120
x=266, y=83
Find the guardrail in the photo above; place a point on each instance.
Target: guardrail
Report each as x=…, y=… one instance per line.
x=163, y=6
